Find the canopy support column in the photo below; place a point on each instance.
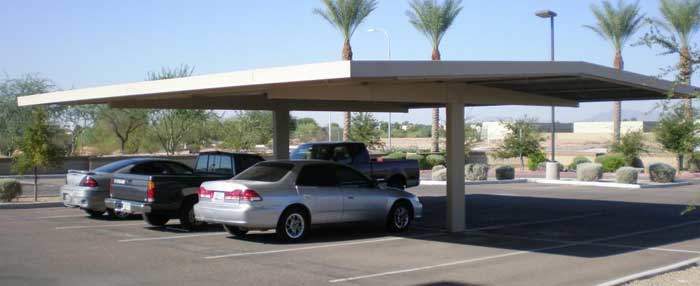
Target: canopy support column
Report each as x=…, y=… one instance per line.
x=280, y=137
x=455, y=164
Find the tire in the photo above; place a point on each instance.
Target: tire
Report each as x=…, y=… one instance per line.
x=94, y=213
x=235, y=231
x=396, y=182
x=118, y=215
x=400, y=217
x=155, y=219
x=186, y=216
x=293, y=225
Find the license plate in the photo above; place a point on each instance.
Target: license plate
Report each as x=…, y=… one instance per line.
x=119, y=181
x=218, y=197
x=126, y=207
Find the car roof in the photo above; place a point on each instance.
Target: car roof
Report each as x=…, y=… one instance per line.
x=228, y=153
x=302, y=162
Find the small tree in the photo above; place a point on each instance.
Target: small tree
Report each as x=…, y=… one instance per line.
x=522, y=140
x=14, y=118
x=76, y=120
x=631, y=146
x=307, y=130
x=472, y=136
x=365, y=129
x=677, y=134
x=37, y=149
x=124, y=122
x=247, y=129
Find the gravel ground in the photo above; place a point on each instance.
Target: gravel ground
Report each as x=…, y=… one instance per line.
x=690, y=276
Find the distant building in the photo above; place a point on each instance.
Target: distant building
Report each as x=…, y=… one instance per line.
x=607, y=126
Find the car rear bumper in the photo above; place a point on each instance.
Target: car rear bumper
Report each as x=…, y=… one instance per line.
x=83, y=197
x=131, y=207
x=243, y=215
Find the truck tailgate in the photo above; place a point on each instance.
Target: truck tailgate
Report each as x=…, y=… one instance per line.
x=129, y=187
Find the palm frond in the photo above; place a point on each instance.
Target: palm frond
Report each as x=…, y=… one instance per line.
x=617, y=23
x=346, y=15
x=433, y=19
x=681, y=17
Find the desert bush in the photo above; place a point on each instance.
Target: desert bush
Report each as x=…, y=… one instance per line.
x=611, y=162
x=578, y=160
x=627, y=175
x=589, y=172
x=439, y=174
x=534, y=161
x=9, y=189
x=395, y=156
x=476, y=172
x=422, y=162
x=505, y=173
x=434, y=160
x=662, y=173
x=630, y=146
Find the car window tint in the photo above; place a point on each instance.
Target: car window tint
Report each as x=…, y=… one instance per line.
x=321, y=175
x=202, y=163
x=149, y=168
x=349, y=177
x=341, y=155
x=114, y=166
x=220, y=164
x=178, y=169
x=245, y=161
x=265, y=172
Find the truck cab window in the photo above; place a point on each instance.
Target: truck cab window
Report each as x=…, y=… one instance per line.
x=202, y=163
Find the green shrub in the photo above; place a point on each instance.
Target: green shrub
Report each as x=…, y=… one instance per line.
x=611, y=162
x=439, y=174
x=9, y=189
x=434, y=160
x=578, y=160
x=694, y=163
x=662, y=173
x=589, y=172
x=505, y=173
x=627, y=175
x=476, y=172
x=422, y=162
x=534, y=161
x=395, y=156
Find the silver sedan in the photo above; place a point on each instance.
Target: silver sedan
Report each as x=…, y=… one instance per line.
x=290, y=196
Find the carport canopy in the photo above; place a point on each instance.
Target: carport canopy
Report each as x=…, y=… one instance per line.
x=383, y=86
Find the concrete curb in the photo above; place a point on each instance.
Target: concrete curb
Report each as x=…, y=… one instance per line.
x=607, y=184
x=31, y=205
x=471, y=183
x=653, y=272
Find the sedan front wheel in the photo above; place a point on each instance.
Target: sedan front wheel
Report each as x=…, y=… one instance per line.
x=400, y=217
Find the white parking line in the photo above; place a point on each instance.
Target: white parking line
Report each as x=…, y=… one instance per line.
x=172, y=237
x=585, y=242
x=98, y=226
x=322, y=246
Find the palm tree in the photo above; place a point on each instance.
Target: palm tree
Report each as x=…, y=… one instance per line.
x=617, y=25
x=682, y=18
x=433, y=19
x=346, y=16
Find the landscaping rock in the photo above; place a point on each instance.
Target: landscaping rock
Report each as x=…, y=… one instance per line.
x=505, y=173
x=589, y=172
x=662, y=173
x=440, y=174
x=627, y=175
x=476, y=172
x=576, y=161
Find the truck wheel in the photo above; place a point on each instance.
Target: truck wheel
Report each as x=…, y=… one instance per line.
x=396, y=182
x=293, y=225
x=187, y=219
x=118, y=215
x=155, y=219
x=94, y=213
x=235, y=231
x=400, y=217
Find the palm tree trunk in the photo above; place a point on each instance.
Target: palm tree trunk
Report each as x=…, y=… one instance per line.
x=434, y=131
x=347, y=56
x=685, y=72
x=617, y=105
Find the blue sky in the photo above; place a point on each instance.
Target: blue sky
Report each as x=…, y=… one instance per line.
x=90, y=43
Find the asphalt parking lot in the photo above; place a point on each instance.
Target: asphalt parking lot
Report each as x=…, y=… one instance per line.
x=519, y=234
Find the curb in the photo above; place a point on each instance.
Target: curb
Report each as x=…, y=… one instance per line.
x=30, y=205
x=653, y=272
x=607, y=184
x=472, y=183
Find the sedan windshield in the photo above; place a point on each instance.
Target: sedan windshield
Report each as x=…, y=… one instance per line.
x=265, y=172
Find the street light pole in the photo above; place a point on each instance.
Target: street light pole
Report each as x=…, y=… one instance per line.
x=550, y=14
x=388, y=55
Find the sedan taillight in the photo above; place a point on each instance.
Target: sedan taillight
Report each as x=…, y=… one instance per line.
x=243, y=195
x=88, y=182
x=204, y=193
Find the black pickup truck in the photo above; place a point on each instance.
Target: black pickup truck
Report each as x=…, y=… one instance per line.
x=167, y=189
x=395, y=173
